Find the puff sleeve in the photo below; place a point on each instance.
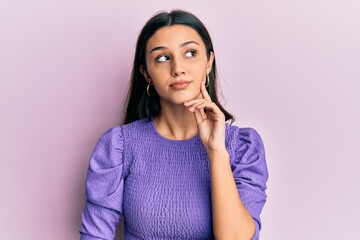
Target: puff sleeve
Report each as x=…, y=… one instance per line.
x=250, y=172
x=104, y=188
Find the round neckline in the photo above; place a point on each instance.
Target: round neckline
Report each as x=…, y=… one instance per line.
x=153, y=127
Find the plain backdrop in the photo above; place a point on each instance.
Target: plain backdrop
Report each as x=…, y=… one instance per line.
x=289, y=69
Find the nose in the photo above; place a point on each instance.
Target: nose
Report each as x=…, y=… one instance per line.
x=177, y=67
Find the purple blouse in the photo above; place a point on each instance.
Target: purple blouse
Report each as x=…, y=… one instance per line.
x=161, y=187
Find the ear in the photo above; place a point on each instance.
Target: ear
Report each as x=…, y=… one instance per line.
x=209, y=63
x=145, y=74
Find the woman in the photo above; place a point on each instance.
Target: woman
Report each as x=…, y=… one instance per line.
x=175, y=169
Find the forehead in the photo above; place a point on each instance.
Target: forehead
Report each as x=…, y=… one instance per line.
x=171, y=36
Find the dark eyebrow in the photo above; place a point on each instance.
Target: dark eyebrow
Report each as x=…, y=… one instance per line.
x=157, y=48
x=187, y=43
x=181, y=45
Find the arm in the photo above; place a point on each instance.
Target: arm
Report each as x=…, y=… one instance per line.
x=231, y=220
x=237, y=184
x=104, y=188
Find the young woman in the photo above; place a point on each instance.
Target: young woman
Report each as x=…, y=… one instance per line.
x=175, y=169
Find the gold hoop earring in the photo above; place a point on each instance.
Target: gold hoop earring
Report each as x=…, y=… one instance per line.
x=207, y=82
x=148, y=89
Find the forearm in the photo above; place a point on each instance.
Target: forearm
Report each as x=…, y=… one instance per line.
x=231, y=220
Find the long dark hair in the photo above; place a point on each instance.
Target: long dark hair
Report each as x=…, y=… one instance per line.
x=139, y=104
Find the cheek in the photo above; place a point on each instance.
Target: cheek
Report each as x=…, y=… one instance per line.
x=198, y=68
x=199, y=75
x=158, y=71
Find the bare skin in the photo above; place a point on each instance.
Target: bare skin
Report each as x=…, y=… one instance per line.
x=177, y=66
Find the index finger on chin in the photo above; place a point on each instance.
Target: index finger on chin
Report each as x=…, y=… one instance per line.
x=204, y=92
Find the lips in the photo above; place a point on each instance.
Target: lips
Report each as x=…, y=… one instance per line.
x=180, y=84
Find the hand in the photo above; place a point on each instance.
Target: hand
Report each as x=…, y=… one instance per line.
x=210, y=121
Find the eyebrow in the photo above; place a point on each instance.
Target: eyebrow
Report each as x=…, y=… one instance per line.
x=181, y=45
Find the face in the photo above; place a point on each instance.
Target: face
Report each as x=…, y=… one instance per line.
x=177, y=63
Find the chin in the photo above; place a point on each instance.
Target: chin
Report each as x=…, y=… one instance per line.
x=178, y=99
x=183, y=99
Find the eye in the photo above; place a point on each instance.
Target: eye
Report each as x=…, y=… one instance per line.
x=190, y=53
x=162, y=58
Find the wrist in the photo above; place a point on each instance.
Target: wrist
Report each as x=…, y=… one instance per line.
x=220, y=153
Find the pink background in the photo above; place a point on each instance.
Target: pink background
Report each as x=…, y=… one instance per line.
x=290, y=69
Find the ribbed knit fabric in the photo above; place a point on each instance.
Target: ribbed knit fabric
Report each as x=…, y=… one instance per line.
x=162, y=187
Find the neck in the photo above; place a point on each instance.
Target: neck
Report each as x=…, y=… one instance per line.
x=175, y=122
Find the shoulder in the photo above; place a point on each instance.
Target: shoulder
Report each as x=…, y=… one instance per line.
x=126, y=131
x=242, y=135
x=111, y=147
x=244, y=143
x=136, y=128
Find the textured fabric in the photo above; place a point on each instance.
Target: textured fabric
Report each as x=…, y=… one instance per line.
x=162, y=187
